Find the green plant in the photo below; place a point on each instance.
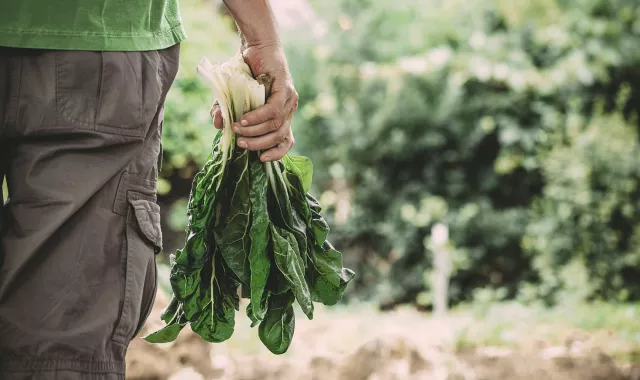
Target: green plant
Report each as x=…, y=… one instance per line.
x=252, y=225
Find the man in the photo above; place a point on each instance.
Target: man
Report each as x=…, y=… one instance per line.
x=82, y=86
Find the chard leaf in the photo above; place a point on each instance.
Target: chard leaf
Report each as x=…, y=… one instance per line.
x=276, y=330
x=167, y=334
x=232, y=229
x=170, y=332
x=216, y=325
x=170, y=311
x=313, y=203
x=288, y=260
x=193, y=304
x=302, y=167
x=327, y=293
x=259, y=261
x=298, y=198
x=319, y=227
x=264, y=303
x=277, y=283
x=195, y=251
x=318, y=224
x=282, y=207
x=216, y=321
x=184, y=284
x=328, y=263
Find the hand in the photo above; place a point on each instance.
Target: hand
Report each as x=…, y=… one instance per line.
x=267, y=128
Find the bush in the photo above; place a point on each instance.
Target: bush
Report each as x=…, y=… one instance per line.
x=511, y=122
x=493, y=115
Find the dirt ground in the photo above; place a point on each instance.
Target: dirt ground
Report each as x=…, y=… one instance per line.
x=346, y=345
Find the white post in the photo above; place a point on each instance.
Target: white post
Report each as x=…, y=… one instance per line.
x=441, y=267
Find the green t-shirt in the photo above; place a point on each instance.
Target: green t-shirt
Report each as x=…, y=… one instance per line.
x=125, y=25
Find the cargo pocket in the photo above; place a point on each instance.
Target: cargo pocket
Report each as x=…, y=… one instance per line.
x=143, y=241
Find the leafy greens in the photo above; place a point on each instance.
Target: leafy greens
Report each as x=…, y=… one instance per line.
x=253, y=231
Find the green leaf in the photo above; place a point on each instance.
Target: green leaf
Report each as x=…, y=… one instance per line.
x=302, y=167
x=232, y=228
x=167, y=334
x=264, y=304
x=216, y=322
x=328, y=262
x=276, y=330
x=184, y=284
x=288, y=260
x=319, y=227
x=313, y=203
x=216, y=326
x=277, y=283
x=259, y=261
x=327, y=293
x=195, y=251
x=175, y=324
x=282, y=196
x=298, y=198
x=170, y=311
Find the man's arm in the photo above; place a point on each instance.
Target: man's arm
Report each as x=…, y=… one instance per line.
x=267, y=128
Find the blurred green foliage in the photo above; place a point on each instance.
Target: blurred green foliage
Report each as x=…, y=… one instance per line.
x=512, y=122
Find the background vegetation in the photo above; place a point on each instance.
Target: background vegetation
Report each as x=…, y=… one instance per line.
x=512, y=122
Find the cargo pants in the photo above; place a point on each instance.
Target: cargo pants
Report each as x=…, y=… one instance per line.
x=80, y=147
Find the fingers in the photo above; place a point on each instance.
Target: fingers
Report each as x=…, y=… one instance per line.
x=216, y=115
x=277, y=152
x=272, y=109
x=270, y=125
x=267, y=141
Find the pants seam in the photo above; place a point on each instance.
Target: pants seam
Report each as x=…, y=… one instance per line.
x=54, y=363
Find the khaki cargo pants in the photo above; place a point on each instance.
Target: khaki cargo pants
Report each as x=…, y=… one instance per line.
x=80, y=148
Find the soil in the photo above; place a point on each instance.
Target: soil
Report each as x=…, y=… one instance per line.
x=347, y=345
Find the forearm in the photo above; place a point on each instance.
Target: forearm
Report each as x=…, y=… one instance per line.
x=256, y=22
x=267, y=128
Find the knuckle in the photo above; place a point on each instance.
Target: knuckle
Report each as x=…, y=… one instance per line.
x=274, y=125
x=275, y=112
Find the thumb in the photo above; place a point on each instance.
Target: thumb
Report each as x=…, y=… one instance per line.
x=216, y=115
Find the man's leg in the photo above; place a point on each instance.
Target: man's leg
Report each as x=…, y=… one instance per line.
x=81, y=226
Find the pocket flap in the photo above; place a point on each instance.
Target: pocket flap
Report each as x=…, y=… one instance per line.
x=148, y=216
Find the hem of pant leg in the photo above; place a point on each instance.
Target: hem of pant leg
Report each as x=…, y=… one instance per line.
x=48, y=364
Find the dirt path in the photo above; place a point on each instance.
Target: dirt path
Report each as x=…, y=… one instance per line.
x=348, y=345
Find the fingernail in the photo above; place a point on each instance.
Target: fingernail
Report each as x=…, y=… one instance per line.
x=244, y=123
x=242, y=144
x=266, y=159
x=235, y=129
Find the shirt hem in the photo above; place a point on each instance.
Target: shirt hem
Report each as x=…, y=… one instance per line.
x=91, y=41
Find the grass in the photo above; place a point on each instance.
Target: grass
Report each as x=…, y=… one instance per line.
x=612, y=328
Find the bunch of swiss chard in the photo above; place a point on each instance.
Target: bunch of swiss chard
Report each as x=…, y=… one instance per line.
x=254, y=232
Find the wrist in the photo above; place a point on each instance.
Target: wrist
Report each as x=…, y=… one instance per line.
x=260, y=43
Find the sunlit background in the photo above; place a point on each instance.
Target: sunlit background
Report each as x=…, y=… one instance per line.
x=479, y=163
